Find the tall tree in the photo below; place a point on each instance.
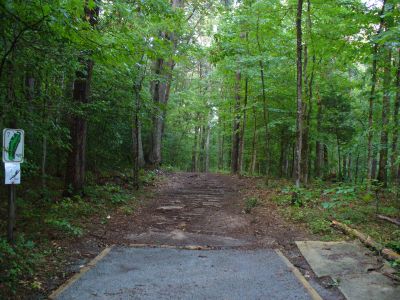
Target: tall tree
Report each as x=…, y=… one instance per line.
x=299, y=119
x=372, y=94
x=160, y=90
x=76, y=165
x=394, y=163
x=236, y=126
x=383, y=153
x=264, y=101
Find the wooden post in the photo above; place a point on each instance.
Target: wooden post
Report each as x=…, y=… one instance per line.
x=11, y=213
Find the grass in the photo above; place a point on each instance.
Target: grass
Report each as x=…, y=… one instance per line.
x=44, y=218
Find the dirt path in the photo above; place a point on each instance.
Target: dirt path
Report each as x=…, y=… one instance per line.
x=195, y=209
x=207, y=210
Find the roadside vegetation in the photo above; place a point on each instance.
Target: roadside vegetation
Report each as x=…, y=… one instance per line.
x=358, y=206
x=48, y=222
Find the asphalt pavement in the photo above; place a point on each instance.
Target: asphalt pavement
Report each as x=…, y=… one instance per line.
x=162, y=273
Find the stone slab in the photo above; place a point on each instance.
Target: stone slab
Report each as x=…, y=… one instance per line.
x=353, y=267
x=370, y=286
x=183, y=238
x=337, y=258
x=168, y=208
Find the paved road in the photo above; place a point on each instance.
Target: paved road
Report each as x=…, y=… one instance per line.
x=156, y=273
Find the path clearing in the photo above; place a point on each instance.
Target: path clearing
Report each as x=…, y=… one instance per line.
x=150, y=259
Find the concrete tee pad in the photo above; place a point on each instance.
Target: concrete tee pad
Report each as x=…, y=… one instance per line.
x=350, y=263
x=184, y=238
x=155, y=273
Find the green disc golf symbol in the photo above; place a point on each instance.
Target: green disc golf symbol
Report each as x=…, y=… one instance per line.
x=13, y=145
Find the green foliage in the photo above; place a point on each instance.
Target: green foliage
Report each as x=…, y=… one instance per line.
x=17, y=262
x=250, y=204
x=301, y=196
x=148, y=177
x=347, y=203
x=320, y=226
x=120, y=198
x=127, y=210
x=65, y=227
x=395, y=245
x=339, y=195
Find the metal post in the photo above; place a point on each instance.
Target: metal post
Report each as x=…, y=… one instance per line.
x=11, y=213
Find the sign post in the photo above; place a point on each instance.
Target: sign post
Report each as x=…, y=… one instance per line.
x=13, y=156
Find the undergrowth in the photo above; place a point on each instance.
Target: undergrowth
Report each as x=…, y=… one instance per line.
x=354, y=205
x=45, y=217
x=250, y=204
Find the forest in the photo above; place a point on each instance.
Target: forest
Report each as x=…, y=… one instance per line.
x=302, y=94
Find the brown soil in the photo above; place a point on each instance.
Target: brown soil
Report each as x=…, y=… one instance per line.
x=197, y=209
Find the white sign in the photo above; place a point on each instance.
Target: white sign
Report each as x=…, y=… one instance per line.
x=12, y=173
x=13, y=145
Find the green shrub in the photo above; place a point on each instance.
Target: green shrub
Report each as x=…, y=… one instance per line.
x=395, y=245
x=64, y=226
x=120, y=198
x=352, y=216
x=127, y=210
x=17, y=262
x=250, y=204
x=320, y=226
x=298, y=214
x=282, y=199
x=111, y=188
x=148, y=177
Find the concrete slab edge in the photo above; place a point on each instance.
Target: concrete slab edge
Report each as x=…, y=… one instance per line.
x=78, y=275
x=311, y=291
x=188, y=247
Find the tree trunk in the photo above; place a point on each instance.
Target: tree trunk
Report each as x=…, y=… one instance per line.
x=308, y=83
x=299, y=120
x=160, y=93
x=203, y=148
x=30, y=94
x=394, y=165
x=319, y=148
x=372, y=96
x=222, y=145
x=374, y=165
x=207, y=146
x=340, y=174
x=236, y=127
x=292, y=167
x=137, y=147
x=356, y=170
x=76, y=164
x=265, y=107
x=75, y=176
x=283, y=153
x=44, y=161
x=325, y=159
x=383, y=155
x=44, y=138
x=194, y=150
x=349, y=166
x=253, y=144
x=242, y=143
x=138, y=154
x=160, y=90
